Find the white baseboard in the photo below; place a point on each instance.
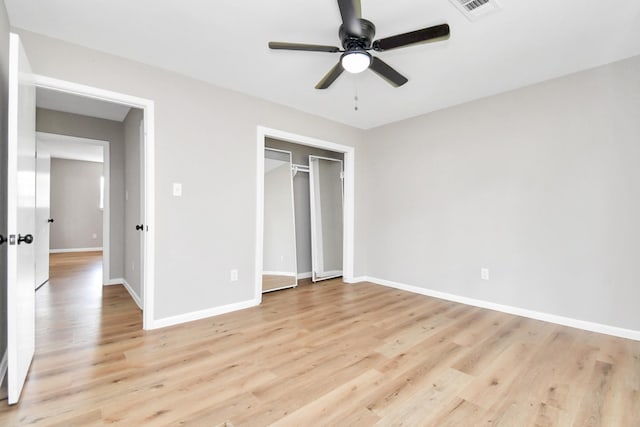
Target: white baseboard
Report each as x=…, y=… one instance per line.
x=355, y=279
x=546, y=317
x=203, y=314
x=133, y=294
x=306, y=275
x=279, y=273
x=60, y=251
x=127, y=286
x=3, y=366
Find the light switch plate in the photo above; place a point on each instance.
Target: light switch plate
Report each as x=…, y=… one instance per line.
x=177, y=189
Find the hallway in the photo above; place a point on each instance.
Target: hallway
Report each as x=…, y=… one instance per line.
x=73, y=308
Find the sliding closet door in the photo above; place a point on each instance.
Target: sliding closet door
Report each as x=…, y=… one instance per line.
x=279, y=269
x=326, y=197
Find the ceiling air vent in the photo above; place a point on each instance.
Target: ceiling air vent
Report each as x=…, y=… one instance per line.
x=474, y=9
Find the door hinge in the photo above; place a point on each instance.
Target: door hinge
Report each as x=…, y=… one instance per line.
x=12, y=239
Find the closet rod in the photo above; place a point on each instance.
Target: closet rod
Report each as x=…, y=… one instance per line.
x=299, y=168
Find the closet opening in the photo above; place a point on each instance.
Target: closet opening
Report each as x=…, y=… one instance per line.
x=305, y=211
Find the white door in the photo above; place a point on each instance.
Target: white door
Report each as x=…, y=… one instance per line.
x=21, y=219
x=43, y=210
x=327, y=218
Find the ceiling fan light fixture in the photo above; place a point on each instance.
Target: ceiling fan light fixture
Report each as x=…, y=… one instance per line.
x=355, y=61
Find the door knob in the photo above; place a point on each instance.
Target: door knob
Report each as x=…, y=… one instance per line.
x=139, y=227
x=2, y=239
x=50, y=220
x=27, y=238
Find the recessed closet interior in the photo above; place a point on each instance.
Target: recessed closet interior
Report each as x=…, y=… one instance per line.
x=314, y=232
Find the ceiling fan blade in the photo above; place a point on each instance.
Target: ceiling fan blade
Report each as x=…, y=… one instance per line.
x=302, y=46
x=350, y=11
x=383, y=69
x=425, y=35
x=330, y=77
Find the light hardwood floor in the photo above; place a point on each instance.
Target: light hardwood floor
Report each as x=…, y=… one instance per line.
x=324, y=354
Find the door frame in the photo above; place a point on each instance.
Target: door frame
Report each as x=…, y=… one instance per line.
x=106, y=210
x=349, y=198
x=147, y=164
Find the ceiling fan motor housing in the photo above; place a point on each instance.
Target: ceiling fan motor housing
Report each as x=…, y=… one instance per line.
x=358, y=41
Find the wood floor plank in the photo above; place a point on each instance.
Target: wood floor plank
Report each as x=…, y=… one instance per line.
x=319, y=354
x=404, y=380
x=455, y=414
x=328, y=409
x=590, y=413
x=421, y=406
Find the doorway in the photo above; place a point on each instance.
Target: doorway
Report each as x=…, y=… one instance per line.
x=145, y=179
x=348, y=154
x=80, y=191
x=21, y=204
x=77, y=172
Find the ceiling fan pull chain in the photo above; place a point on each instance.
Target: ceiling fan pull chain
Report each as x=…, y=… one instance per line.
x=355, y=97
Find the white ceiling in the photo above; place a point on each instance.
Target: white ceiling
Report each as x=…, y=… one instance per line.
x=70, y=147
x=69, y=103
x=224, y=42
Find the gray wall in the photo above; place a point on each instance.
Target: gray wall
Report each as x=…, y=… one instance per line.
x=541, y=185
x=75, y=204
x=132, y=214
x=279, y=224
x=4, y=83
x=205, y=139
x=300, y=156
x=61, y=123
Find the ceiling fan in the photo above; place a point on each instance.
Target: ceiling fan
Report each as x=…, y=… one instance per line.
x=356, y=35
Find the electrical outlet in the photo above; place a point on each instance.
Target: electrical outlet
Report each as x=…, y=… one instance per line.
x=234, y=275
x=484, y=273
x=94, y=236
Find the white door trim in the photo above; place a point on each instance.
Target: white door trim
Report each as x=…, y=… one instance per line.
x=148, y=160
x=106, y=211
x=349, y=197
